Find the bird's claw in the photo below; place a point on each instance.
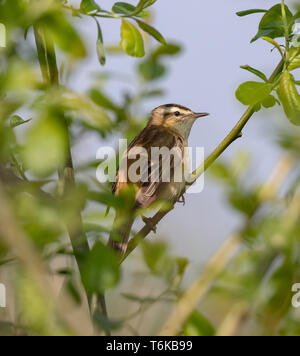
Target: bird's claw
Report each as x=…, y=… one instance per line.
x=149, y=222
x=182, y=200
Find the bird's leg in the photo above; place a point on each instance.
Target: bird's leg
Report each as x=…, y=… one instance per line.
x=182, y=199
x=149, y=222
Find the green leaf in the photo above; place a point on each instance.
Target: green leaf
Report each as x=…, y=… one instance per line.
x=100, y=269
x=123, y=8
x=272, y=25
x=295, y=63
x=250, y=93
x=100, y=45
x=297, y=15
x=102, y=100
x=170, y=49
x=46, y=148
x=152, y=31
x=151, y=70
x=157, y=258
x=64, y=34
x=243, y=201
x=250, y=12
x=132, y=41
x=108, y=199
x=289, y=98
x=17, y=121
x=143, y=4
x=198, y=325
x=73, y=290
x=182, y=264
x=89, y=6
x=256, y=72
x=269, y=102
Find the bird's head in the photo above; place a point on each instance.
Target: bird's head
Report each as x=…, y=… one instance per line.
x=175, y=117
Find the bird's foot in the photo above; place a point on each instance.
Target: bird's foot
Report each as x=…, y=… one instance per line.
x=182, y=200
x=149, y=222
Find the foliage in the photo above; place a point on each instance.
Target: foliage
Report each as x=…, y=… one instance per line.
x=41, y=119
x=277, y=22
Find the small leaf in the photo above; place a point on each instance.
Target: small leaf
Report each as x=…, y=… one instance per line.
x=250, y=12
x=123, y=8
x=170, y=49
x=100, y=269
x=132, y=41
x=127, y=9
x=289, y=98
x=256, y=72
x=102, y=100
x=182, y=264
x=269, y=102
x=157, y=258
x=152, y=31
x=297, y=15
x=250, y=93
x=143, y=4
x=100, y=45
x=151, y=70
x=26, y=32
x=73, y=290
x=17, y=121
x=108, y=199
x=89, y=6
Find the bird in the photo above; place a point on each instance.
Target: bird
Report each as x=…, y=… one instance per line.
x=168, y=127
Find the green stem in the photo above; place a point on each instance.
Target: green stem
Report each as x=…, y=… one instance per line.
x=48, y=64
x=286, y=32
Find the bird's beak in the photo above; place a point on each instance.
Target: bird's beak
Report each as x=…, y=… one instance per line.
x=197, y=115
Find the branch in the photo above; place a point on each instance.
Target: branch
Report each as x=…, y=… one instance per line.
x=234, y=134
x=48, y=64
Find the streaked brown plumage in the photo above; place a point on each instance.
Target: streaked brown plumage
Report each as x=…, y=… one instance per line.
x=169, y=126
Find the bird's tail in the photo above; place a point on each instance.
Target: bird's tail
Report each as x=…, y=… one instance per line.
x=120, y=234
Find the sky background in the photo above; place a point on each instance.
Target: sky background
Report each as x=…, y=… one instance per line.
x=204, y=77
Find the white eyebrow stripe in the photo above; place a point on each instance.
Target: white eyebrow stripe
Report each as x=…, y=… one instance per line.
x=175, y=108
x=182, y=111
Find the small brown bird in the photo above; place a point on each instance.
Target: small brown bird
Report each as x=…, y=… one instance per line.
x=169, y=127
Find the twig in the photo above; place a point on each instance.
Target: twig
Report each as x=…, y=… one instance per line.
x=233, y=319
x=47, y=59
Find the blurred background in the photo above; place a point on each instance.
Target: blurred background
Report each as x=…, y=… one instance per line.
x=201, y=70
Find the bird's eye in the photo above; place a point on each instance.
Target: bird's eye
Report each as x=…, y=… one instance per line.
x=177, y=113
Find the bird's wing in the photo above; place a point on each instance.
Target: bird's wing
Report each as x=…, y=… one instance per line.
x=148, y=189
